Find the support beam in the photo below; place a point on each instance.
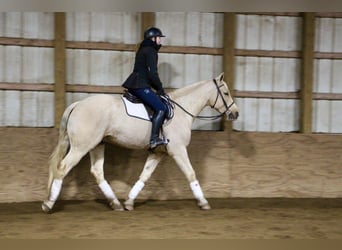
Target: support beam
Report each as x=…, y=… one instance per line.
x=147, y=20
x=307, y=72
x=229, y=57
x=60, y=74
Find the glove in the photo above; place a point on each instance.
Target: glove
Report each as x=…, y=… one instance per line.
x=161, y=92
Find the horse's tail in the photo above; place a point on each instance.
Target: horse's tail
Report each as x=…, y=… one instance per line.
x=62, y=146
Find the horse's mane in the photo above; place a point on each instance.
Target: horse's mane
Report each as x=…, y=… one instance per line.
x=185, y=90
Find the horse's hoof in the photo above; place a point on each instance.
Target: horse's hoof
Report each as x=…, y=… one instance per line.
x=116, y=206
x=205, y=206
x=46, y=209
x=129, y=205
x=129, y=208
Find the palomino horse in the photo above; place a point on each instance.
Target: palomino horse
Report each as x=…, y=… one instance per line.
x=87, y=123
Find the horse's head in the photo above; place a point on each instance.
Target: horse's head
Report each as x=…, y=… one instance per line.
x=223, y=101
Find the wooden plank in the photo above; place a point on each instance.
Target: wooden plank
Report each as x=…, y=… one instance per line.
x=94, y=89
x=295, y=14
x=60, y=62
x=25, y=42
x=148, y=19
x=268, y=53
x=307, y=72
x=286, y=95
x=26, y=86
x=237, y=164
x=329, y=14
x=229, y=29
x=286, y=165
x=266, y=94
x=165, y=49
x=99, y=46
x=191, y=50
x=30, y=148
x=109, y=46
x=131, y=47
x=84, y=88
x=328, y=96
x=328, y=55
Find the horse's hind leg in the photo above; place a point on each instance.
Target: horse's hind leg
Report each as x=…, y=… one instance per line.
x=69, y=161
x=97, y=160
x=180, y=155
x=150, y=165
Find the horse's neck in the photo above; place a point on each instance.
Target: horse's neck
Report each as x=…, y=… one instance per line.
x=193, y=98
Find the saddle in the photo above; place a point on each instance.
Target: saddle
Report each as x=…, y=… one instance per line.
x=135, y=108
x=131, y=98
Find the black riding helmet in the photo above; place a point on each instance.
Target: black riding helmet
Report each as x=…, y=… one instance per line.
x=153, y=32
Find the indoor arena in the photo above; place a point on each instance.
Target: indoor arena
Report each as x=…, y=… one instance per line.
x=260, y=94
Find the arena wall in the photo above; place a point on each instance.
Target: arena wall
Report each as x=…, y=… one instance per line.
x=228, y=164
x=50, y=60
x=265, y=60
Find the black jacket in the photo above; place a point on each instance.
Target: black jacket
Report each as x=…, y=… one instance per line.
x=145, y=72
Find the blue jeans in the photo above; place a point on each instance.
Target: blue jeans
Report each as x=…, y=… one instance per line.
x=148, y=97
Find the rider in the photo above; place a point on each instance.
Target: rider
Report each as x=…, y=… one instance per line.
x=145, y=77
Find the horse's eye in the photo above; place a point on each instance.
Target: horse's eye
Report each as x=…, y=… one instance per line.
x=225, y=93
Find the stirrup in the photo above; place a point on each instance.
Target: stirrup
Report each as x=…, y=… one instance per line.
x=158, y=142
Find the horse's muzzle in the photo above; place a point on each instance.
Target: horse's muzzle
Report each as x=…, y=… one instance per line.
x=233, y=115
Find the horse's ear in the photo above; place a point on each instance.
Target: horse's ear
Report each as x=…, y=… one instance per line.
x=220, y=77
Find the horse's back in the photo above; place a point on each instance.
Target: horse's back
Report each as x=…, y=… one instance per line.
x=104, y=115
x=99, y=100
x=93, y=113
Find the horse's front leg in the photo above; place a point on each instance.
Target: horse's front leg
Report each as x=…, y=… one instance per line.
x=97, y=160
x=151, y=163
x=180, y=155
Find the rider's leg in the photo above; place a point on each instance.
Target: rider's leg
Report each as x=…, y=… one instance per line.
x=147, y=96
x=157, y=122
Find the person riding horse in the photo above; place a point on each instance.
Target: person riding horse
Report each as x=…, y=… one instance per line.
x=145, y=77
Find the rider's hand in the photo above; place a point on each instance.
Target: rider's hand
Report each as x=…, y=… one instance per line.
x=161, y=92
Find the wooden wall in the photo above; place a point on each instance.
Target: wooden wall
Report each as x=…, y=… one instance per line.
x=282, y=66
x=228, y=164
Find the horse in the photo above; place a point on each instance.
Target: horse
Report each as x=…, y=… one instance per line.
x=87, y=124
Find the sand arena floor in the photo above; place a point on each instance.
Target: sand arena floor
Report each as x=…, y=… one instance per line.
x=233, y=218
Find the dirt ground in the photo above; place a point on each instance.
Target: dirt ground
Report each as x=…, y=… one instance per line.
x=233, y=218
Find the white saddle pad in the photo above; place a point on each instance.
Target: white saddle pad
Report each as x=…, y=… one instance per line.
x=136, y=110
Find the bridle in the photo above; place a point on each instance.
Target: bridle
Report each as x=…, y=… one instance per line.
x=212, y=117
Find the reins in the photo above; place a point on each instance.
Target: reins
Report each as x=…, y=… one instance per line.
x=212, y=117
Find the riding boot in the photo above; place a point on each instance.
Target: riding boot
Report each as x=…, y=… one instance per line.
x=157, y=122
